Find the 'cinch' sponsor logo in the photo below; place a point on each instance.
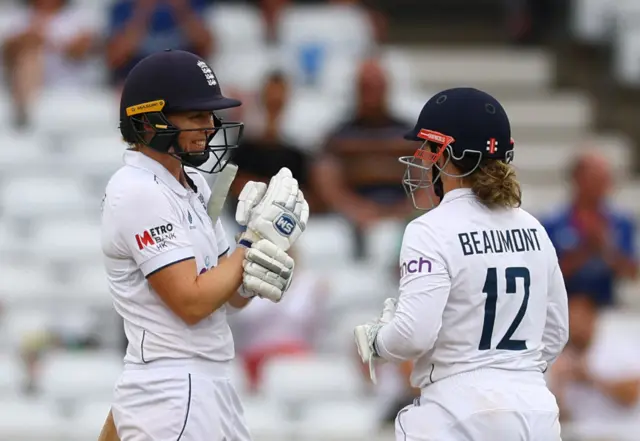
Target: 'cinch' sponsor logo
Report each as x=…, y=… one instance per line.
x=155, y=236
x=415, y=266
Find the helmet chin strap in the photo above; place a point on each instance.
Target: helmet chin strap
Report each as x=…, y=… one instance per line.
x=191, y=159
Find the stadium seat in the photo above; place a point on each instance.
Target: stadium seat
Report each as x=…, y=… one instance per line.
x=72, y=376
x=340, y=28
x=448, y=67
x=29, y=419
x=326, y=243
x=70, y=241
x=236, y=27
x=63, y=112
x=30, y=197
x=87, y=285
x=245, y=71
x=266, y=420
x=12, y=374
x=354, y=286
x=337, y=336
x=352, y=420
x=87, y=420
x=311, y=116
x=24, y=284
x=382, y=243
x=591, y=19
x=22, y=325
x=94, y=154
x=291, y=380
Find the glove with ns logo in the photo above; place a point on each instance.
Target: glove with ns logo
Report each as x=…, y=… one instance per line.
x=277, y=212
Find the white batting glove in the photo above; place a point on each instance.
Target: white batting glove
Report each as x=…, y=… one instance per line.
x=365, y=336
x=268, y=271
x=280, y=216
x=251, y=194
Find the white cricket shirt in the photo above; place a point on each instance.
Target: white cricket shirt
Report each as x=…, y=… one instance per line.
x=150, y=221
x=478, y=289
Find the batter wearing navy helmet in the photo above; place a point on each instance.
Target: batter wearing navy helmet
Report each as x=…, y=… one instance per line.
x=171, y=274
x=482, y=307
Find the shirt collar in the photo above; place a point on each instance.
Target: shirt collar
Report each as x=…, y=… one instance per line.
x=143, y=162
x=457, y=193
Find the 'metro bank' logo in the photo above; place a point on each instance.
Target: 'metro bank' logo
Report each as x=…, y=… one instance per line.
x=155, y=236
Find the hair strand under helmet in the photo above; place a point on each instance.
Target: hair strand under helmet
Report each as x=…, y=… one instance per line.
x=465, y=126
x=176, y=81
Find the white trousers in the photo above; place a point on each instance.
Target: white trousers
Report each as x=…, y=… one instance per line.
x=178, y=401
x=483, y=405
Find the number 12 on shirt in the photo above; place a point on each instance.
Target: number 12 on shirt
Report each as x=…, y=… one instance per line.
x=512, y=274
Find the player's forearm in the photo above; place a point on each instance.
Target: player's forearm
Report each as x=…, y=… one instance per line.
x=405, y=338
x=238, y=301
x=214, y=288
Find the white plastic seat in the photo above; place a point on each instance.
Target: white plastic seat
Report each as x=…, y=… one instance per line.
x=24, y=284
x=349, y=420
x=21, y=151
x=360, y=285
x=245, y=70
x=342, y=28
x=294, y=380
x=87, y=285
x=87, y=421
x=95, y=154
x=20, y=325
x=29, y=420
x=266, y=420
x=382, y=243
x=236, y=27
x=70, y=241
x=79, y=376
x=12, y=374
x=67, y=111
x=310, y=116
x=327, y=242
x=29, y=197
x=590, y=19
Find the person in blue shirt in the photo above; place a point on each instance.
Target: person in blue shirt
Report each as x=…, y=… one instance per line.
x=595, y=242
x=138, y=28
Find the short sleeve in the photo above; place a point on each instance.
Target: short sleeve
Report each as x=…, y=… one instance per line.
x=151, y=228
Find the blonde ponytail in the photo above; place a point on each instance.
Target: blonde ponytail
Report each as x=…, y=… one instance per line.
x=495, y=184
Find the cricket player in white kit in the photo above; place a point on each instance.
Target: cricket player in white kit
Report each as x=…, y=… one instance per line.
x=482, y=308
x=166, y=260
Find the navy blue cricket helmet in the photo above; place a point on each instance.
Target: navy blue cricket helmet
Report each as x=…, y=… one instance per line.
x=176, y=81
x=469, y=125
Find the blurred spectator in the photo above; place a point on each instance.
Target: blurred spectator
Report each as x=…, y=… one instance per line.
x=358, y=174
x=263, y=151
x=138, y=28
x=47, y=46
x=595, y=242
x=529, y=21
x=597, y=377
x=264, y=329
x=271, y=10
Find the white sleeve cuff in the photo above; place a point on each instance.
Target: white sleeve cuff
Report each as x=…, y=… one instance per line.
x=163, y=260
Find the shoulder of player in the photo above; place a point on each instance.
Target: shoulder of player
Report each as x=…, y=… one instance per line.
x=425, y=228
x=133, y=187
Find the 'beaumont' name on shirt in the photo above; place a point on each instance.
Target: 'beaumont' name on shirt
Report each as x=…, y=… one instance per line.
x=517, y=240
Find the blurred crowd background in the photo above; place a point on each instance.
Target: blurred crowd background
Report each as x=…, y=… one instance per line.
x=328, y=87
